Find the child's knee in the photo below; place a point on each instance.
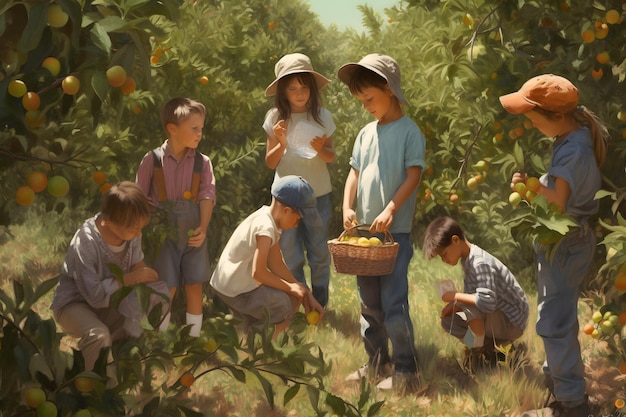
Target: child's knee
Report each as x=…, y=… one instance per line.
x=98, y=337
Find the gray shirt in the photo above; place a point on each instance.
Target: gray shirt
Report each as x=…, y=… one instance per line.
x=495, y=286
x=85, y=276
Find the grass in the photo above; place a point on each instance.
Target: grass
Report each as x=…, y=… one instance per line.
x=448, y=390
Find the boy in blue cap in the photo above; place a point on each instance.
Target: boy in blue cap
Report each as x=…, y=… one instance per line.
x=386, y=167
x=251, y=276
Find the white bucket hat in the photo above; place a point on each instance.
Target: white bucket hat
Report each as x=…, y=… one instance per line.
x=293, y=64
x=383, y=65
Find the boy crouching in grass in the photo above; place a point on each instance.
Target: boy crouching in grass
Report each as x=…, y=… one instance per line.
x=493, y=309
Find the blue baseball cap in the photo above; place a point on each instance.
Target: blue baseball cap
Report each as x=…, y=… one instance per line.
x=294, y=191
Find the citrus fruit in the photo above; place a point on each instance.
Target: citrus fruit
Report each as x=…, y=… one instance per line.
x=313, y=317
x=210, y=345
x=17, y=88
x=34, y=396
x=622, y=368
x=37, y=181
x=47, y=409
x=620, y=281
x=116, y=75
x=588, y=329
x=596, y=316
x=515, y=198
x=99, y=177
x=533, y=184
x=374, y=241
x=58, y=186
x=57, y=18
x=363, y=241
x=52, y=64
x=70, y=85
x=83, y=384
x=187, y=379
x=24, y=195
x=129, y=85
x=31, y=101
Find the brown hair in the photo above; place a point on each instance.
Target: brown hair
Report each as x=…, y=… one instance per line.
x=439, y=234
x=179, y=109
x=585, y=117
x=363, y=78
x=125, y=204
x=315, y=101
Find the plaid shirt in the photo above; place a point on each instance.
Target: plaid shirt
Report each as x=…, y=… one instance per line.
x=495, y=286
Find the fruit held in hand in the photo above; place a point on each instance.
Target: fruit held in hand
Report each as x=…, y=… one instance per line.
x=190, y=233
x=313, y=317
x=515, y=198
x=34, y=396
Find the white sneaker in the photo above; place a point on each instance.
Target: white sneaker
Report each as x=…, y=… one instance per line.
x=366, y=371
x=400, y=382
x=386, y=384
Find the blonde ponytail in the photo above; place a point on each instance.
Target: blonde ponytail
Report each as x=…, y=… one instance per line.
x=599, y=132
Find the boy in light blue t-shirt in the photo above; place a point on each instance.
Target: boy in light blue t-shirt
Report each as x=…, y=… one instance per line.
x=386, y=167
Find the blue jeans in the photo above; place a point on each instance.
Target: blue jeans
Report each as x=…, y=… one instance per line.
x=558, y=288
x=385, y=312
x=293, y=243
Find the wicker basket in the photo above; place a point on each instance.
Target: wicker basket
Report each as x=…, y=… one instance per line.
x=353, y=259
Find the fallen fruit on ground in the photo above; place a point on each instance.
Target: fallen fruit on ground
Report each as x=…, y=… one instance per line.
x=313, y=317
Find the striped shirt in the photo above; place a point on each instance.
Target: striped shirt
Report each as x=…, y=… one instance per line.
x=495, y=286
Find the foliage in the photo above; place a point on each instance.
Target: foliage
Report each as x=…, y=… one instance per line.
x=31, y=358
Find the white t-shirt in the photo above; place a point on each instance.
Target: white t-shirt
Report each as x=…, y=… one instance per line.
x=299, y=157
x=233, y=273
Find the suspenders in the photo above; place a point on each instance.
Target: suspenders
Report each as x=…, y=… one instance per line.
x=159, y=177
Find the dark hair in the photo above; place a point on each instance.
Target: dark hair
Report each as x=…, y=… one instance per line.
x=363, y=78
x=585, y=117
x=179, y=109
x=282, y=104
x=439, y=234
x=125, y=204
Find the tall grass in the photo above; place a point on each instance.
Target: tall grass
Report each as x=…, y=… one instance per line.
x=448, y=389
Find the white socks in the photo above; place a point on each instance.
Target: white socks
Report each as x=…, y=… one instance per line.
x=196, y=324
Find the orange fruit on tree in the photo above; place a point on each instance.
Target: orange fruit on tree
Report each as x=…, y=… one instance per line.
x=204, y=80
x=129, y=85
x=99, y=177
x=105, y=187
x=622, y=368
x=34, y=118
x=603, y=57
x=622, y=318
x=602, y=30
x=597, y=74
x=271, y=25
x=24, y=195
x=187, y=379
x=588, y=328
x=31, y=101
x=588, y=36
x=37, y=181
x=612, y=16
x=84, y=384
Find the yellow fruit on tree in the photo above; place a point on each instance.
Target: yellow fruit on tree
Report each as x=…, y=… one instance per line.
x=34, y=118
x=34, y=396
x=612, y=16
x=313, y=317
x=84, y=384
x=204, y=80
x=603, y=57
x=17, y=88
x=210, y=345
x=37, y=181
x=47, y=409
x=24, y=195
x=515, y=198
x=57, y=18
x=588, y=36
x=116, y=75
x=52, y=64
x=472, y=184
x=31, y=101
x=70, y=85
x=602, y=30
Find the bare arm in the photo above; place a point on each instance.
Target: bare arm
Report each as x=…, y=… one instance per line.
x=276, y=144
x=384, y=220
x=199, y=234
x=266, y=258
x=349, y=195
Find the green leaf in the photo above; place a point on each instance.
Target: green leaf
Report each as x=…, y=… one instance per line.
x=37, y=22
x=375, y=408
x=290, y=393
x=100, y=38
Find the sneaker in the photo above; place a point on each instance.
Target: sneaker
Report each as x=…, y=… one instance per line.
x=366, y=371
x=400, y=382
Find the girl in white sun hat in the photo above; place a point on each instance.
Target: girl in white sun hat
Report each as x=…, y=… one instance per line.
x=299, y=142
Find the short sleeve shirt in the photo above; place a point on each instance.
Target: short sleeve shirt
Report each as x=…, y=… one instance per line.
x=381, y=155
x=233, y=274
x=573, y=160
x=314, y=169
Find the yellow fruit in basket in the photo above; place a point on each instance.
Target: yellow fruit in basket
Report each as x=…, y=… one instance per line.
x=354, y=240
x=374, y=241
x=363, y=241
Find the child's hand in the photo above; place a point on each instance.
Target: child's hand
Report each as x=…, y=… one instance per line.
x=382, y=222
x=318, y=142
x=280, y=131
x=141, y=276
x=310, y=304
x=349, y=219
x=298, y=290
x=197, y=238
x=518, y=177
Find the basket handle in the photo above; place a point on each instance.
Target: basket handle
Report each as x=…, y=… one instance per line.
x=388, y=239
